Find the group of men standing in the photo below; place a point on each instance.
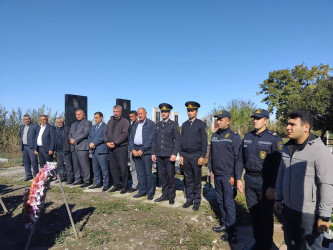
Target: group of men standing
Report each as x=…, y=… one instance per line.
x=297, y=175
x=296, y=178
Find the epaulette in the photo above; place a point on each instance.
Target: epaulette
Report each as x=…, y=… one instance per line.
x=272, y=133
x=185, y=122
x=234, y=132
x=171, y=121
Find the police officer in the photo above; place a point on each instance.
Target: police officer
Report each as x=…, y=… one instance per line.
x=225, y=166
x=261, y=154
x=164, y=149
x=192, y=152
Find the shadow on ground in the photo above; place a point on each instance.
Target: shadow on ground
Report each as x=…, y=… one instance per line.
x=13, y=234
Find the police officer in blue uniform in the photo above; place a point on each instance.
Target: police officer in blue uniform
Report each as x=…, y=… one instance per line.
x=192, y=152
x=261, y=155
x=164, y=149
x=225, y=166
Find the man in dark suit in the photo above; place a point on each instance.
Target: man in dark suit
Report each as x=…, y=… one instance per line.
x=116, y=139
x=45, y=141
x=99, y=153
x=140, y=146
x=192, y=152
x=164, y=149
x=63, y=151
x=28, y=134
x=78, y=135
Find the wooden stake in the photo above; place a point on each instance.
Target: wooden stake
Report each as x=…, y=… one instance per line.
x=3, y=206
x=66, y=203
x=33, y=227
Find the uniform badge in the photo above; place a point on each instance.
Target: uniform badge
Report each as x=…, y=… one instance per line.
x=262, y=155
x=280, y=145
x=226, y=135
x=258, y=111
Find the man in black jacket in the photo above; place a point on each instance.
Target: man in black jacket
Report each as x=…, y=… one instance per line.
x=225, y=166
x=164, y=149
x=116, y=139
x=192, y=152
x=63, y=148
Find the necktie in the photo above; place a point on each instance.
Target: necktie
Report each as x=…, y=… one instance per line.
x=163, y=124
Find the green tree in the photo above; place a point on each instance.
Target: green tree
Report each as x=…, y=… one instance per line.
x=241, y=111
x=300, y=88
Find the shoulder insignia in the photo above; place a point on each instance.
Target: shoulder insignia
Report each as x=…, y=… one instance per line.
x=234, y=132
x=272, y=133
x=280, y=145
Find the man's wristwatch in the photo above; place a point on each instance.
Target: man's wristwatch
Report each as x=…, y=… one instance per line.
x=326, y=219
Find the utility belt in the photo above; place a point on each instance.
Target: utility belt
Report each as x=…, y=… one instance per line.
x=254, y=174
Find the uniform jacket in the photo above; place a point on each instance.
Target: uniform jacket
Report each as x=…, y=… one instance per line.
x=261, y=153
x=80, y=135
x=223, y=154
x=48, y=139
x=31, y=136
x=194, y=138
x=147, y=136
x=305, y=179
x=96, y=136
x=65, y=139
x=166, y=139
x=117, y=132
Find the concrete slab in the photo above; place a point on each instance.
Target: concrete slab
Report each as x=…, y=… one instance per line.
x=3, y=160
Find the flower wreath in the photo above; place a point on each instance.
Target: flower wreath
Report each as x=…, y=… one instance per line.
x=35, y=194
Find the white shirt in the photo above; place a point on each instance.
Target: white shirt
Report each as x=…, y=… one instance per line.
x=138, y=134
x=39, y=138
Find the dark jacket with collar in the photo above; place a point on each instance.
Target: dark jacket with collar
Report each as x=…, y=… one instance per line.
x=79, y=132
x=96, y=136
x=117, y=131
x=223, y=154
x=65, y=140
x=147, y=136
x=166, y=139
x=31, y=136
x=48, y=139
x=194, y=138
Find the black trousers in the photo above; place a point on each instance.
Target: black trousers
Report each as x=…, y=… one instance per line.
x=166, y=176
x=43, y=158
x=261, y=211
x=192, y=172
x=119, y=166
x=300, y=230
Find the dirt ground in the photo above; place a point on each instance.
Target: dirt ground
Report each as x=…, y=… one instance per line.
x=114, y=221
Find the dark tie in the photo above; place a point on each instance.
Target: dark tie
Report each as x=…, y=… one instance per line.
x=97, y=126
x=77, y=124
x=163, y=124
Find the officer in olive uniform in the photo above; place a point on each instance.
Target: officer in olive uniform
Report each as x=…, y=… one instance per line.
x=261, y=155
x=164, y=149
x=225, y=166
x=192, y=152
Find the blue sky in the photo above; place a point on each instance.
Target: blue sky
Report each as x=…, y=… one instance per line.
x=154, y=51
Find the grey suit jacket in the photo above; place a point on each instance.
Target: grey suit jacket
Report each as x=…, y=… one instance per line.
x=80, y=132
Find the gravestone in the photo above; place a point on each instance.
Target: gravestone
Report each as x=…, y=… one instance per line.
x=126, y=105
x=72, y=103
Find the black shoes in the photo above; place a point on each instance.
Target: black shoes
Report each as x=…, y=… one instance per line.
x=219, y=229
x=28, y=178
x=171, y=202
x=132, y=190
x=187, y=204
x=114, y=189
x=124, y=191
x=150, y=197
x=196, y=206
x=139, y=195
x=76, y=183
x=86, y=184
x=228, y=237
x=95, y=186
x=105, y=188
x=162, y=198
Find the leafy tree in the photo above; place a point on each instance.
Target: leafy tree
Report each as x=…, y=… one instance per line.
x=300, y=88
x=241, y=111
